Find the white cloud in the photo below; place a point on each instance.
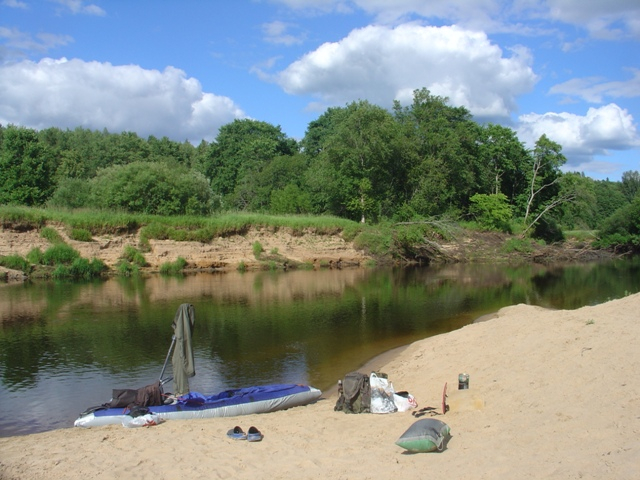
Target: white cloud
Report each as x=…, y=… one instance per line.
x=607, y=20
x=14, y=4
x=381, y=64
x=582, y=136
x=594, y=89
x=80, y=7
x=611, y=19
x=72, y=93
x=18, y=44
x=278, y=32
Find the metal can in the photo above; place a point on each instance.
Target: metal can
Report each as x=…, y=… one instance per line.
x=463, y=381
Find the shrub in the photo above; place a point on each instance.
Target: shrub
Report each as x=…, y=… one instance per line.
x=172, y=268
x=492, y=212
x=157, y=188
x=127, y=269
x=15, y=262
x=522, y=245
x=51, y=235
x=133, y=255
x=547, y=229
x=35, y=256
x=622, y=229
x=80, y=268
x=81, y=235
x=257, y=249
x=59, y=254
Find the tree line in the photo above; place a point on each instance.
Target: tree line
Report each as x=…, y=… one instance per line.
x=360, y=162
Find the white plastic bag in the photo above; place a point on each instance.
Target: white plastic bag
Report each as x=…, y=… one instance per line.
x=404, y=401
x=148, y=420
x=381, y=395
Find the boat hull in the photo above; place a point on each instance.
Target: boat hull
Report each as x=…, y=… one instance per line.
x=231, y=403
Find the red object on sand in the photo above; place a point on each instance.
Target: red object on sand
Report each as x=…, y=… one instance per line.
x=445, y=407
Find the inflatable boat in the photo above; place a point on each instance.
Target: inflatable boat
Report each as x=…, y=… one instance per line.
x=230, y=403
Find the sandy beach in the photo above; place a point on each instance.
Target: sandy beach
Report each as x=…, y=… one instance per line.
x=553, y=394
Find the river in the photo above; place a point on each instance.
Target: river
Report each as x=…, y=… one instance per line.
x=65, y=345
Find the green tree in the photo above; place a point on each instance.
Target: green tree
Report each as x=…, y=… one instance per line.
x=26, y=168
x=445, y=165
x=630, y=184
x=363, y=151
x=582, y=212
x=543, y=178
x=290, y=200
x=609, y=199
x=240, y=152
x=503, y=157
x=622, y=229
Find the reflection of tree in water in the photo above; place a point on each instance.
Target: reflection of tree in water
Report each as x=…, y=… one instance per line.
x=258, y=328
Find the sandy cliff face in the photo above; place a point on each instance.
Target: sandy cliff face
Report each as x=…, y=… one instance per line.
x=220, y=253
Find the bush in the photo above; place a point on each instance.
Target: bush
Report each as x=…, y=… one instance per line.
x=51, y=235
x=81, y=235
x=157, y=188
x=127, y=269
x=172, y=268
x=547, y=229
x=134, y=256
x=15, y=262
x=80, y=268
x=60, y=254
x=35, y=256
x=257, y=249
x=622, y=229
x=71, y=193
x=492, y=212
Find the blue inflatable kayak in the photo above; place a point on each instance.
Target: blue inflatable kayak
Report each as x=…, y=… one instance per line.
x=230, y=403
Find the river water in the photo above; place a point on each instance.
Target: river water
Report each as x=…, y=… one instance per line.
x=65, y=345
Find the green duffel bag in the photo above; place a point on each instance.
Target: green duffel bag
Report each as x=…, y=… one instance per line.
x=426, y=435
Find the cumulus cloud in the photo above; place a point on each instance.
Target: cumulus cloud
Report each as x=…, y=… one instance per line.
x=582, y=136
x=73, y=93
x=380, y=64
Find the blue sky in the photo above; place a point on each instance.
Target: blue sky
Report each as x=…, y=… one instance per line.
x=566, y=68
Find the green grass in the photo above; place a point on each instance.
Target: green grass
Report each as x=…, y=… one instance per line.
x=173, y=268
x=134, y=256
x=60, y=254
x=257, y=249
x=125, y=268
x=15, y=262
x=518, y=245
x=81, y=235
x=36, y=256
x=80, y=268
x=51, y=235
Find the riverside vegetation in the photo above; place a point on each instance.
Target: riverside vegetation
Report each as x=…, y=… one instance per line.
x=404, y=243
x=407, y=185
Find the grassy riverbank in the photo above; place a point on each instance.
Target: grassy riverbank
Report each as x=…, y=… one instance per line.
x=59, y=243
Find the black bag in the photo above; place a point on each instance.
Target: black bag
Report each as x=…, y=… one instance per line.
x=148, y=396
x=355, y=394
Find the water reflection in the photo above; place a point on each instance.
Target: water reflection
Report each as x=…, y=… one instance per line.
x=64, y=346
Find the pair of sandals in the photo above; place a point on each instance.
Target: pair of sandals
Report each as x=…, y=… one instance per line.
x=253, y=435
